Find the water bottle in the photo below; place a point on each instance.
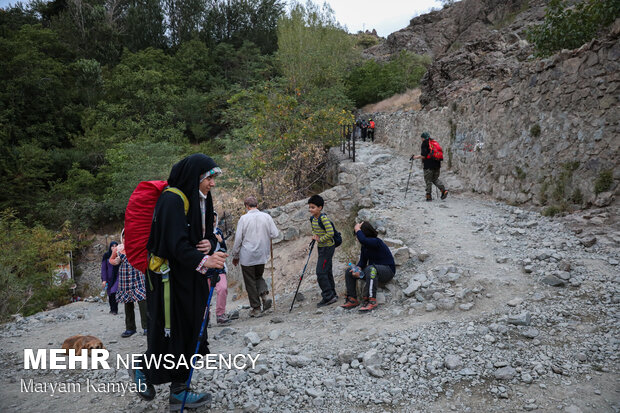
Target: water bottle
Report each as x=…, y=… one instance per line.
x=104, y=291
x=355, y=269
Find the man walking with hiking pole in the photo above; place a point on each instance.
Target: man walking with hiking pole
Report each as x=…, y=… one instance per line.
x=431, y=155
x=255, y=231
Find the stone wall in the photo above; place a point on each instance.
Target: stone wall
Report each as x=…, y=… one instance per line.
x=351, y=190
x=544, y=135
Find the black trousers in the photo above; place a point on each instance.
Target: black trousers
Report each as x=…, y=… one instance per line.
x=130, y=316
x=113, y=302
x=373, y=275
x=324, y=273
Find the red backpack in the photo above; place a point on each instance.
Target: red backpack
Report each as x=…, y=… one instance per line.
x=138, y=219
x=435, y=152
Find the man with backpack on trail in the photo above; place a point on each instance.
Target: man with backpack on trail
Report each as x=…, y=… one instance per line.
x=431, y=155
x=181, y=249
x=371, y=130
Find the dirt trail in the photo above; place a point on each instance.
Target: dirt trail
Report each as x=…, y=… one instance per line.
x=478, y=238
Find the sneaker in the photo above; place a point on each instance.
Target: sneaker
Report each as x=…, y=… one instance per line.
x=192, y=401
x=114, y=312
x=324, y=302
x=429, y=197
x=223, y=319
x=266, y=302
x=371, y=305
x=444, y=194
x=128, y=333
x=255, y=312
x=145, y=390
x=350, y=303
x=234, y=315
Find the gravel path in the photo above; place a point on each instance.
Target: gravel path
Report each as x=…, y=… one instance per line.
x=494, y=309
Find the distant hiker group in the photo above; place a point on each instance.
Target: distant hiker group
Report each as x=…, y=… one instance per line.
x=365, y=129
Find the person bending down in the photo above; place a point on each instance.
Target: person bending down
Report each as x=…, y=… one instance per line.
x=377, y=265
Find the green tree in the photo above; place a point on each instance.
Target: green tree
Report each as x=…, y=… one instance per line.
x=568, y=25
x=144, y=25
x=26, y=267
x=373, y=81
x=313, y=49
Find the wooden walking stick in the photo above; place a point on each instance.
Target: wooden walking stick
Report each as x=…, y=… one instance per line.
x=273, y=291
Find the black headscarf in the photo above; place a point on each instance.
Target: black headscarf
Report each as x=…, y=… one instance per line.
x=185, y=175
x=108, y=254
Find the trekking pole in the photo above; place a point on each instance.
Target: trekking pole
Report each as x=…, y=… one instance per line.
x=410, y=169
x=301, y=277
x=273, y=291
x=200, y=337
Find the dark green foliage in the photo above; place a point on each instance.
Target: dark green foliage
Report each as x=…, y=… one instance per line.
x=553, y=210
x=373, y=81
x=604, y=181
x=535, y=130
x=520, y=173
x=568, y=25
x=27, y=264
x=577, y=196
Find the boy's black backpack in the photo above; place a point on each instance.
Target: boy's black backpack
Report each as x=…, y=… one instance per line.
x=337, y=235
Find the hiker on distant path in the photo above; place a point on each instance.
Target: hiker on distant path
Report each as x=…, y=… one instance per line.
x=178, y=246
x=431, y=156
x=221, y=288
x=109, y=277
x=252, y=249
x=364, y=127
x=371, y=129
x=323, y=233
x=131, y=289
x=377, y=266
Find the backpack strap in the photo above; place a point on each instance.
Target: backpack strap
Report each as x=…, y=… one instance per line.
x=181, y=194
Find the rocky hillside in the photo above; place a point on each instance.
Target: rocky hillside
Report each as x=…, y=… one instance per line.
x=444, y=31
x=523, y=129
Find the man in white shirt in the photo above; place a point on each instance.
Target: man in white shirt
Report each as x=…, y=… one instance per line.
x=252, y=248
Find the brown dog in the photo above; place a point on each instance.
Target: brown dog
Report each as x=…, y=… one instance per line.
x=80, y=342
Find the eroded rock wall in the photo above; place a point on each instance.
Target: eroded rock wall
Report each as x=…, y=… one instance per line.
x=546, y=133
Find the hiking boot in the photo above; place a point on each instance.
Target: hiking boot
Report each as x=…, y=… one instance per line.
x=128, y=333
x=324, y=302
x=444, y=194
x=145, y=390
x=223, y=319
x=372, y=304
x=255, y=312
x=192, y=401
x=429, y=197
x=350, y=303
x=266, y=302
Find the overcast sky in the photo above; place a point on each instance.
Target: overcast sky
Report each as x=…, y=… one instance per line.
x=387, y=16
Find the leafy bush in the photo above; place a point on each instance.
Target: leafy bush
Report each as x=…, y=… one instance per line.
x=603, y=182
x=553, y=210
x=27, y=264
x=568, y=26
x=535, y=130
x=374, y=81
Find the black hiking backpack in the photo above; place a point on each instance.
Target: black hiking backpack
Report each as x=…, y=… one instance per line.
x=337, y=235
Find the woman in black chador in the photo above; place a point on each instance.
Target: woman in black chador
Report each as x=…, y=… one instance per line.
x=183, y=238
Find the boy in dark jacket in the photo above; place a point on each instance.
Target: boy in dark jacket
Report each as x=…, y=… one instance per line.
x=377, y=264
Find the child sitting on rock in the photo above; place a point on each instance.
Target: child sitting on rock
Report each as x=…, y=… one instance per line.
x=377, y=265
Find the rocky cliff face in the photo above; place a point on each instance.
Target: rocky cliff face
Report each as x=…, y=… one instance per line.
x=526, y=130
x=444, y=31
